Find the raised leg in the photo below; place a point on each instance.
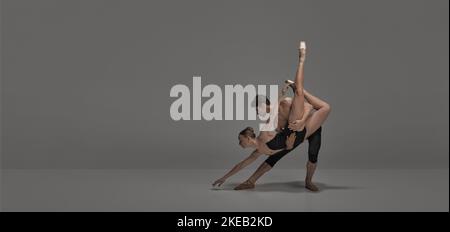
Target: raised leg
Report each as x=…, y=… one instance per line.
x=298, y=100
x=316, y=102
x=316, y=120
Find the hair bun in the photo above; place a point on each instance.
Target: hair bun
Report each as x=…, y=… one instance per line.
x=248, y=131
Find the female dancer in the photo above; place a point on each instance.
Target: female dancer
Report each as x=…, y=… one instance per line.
x=314, y=140
x=270, y=142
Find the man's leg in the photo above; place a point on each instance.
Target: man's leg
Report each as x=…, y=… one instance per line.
x=315, y=141
x=310, y=169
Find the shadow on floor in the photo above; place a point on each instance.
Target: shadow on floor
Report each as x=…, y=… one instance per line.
x=289, y=187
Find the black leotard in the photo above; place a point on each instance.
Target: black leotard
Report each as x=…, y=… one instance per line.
x=279, y=141
x=314, y=139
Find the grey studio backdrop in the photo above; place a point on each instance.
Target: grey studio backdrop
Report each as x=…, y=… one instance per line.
x=85, y=84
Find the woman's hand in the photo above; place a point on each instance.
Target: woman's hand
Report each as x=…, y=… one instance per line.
x=297, y=125
x=290, y=141
x=219, y=182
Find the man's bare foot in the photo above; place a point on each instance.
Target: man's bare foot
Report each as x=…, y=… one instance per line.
x=246, y=185
x=311, y=186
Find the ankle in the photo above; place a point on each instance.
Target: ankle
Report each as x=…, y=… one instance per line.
x=250, y=181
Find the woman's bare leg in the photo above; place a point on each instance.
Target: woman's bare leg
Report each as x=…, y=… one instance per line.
x=282, y=94
x=316, y=120
x=291, y=84
x=298, y=100
x=250, y=182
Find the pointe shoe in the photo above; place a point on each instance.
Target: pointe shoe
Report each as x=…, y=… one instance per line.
x=302, y=45
x=290, y=84
x=302, y=51
x=245, y=185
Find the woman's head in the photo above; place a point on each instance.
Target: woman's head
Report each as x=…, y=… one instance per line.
x=247, y=137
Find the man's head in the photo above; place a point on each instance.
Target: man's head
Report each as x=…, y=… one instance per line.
x=262, y=104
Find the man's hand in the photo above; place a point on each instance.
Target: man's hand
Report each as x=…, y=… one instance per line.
x=297, y=125
x=219, y=182
x=290, y=141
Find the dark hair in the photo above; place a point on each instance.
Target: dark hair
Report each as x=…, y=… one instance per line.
x=248, y=132
x=267, y=100
x=257, y=101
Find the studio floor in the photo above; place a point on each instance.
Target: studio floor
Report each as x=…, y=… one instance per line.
x=190, y=190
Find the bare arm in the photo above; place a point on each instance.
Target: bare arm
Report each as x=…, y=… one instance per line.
x=298, y=125
x=244, y=163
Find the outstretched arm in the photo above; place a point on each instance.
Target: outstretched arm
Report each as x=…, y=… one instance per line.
x=244, y=163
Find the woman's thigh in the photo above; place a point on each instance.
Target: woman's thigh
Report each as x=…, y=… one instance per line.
x=316, y=120
x=297, y=107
